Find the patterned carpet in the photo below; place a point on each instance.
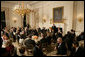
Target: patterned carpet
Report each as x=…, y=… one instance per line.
x=49, y=51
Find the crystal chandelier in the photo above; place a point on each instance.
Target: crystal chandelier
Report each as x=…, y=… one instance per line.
x=22, y=10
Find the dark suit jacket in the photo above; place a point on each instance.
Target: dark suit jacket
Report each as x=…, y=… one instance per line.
x=80, y=37
x=79, y=52
x=61, y=29
x=62, y=49
x=28, y=25
x=6, y=34
x=48, y=39
x=54, y=28
x=59, y=34
x=37, y=51
x=1, y=41
x=23, y=36
x=43, y=40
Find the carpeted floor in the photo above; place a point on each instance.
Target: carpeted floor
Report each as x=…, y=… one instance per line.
x=50, y=50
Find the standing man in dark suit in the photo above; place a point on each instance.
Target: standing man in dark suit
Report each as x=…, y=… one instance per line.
x=54, y=28
x=61, y=47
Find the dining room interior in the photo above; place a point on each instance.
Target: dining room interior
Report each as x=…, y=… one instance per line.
x=42, y=28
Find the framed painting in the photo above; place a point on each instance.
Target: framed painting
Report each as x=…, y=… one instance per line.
x=58, y=15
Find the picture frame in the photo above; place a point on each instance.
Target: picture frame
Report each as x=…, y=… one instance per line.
x=58, y=14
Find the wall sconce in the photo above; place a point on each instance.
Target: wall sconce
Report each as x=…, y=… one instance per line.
x=51, y=21
x=80, y=19
x=44, y=19
x=14, y=20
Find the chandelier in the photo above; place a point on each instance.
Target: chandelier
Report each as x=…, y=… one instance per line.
x=22, y=10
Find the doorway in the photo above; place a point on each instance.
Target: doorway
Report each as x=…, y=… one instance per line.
x=3, y=21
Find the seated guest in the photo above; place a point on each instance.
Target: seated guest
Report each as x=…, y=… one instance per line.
x=44, y=31
x=17, y=36
x=80, y=37
x=67, y=38
x=26, y=31
x=21, y=41
x=72, y=34
x=23, y=35
x=37, y=51
x=61, y=48
x=29, y=41
x=39, y=30
x=3, y=52
x=5, y=39
x=59, y=29
x=1, y=42
x=11, y=33
x=48, y=38
x=50, y=29
x=6, y=32
x=59, y=32
x=9, y=47
x=53, y=36
x=77, y=51
x=22, y=51
x=43, y=40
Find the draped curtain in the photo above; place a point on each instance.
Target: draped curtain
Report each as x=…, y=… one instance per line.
x=24, y=21
x=3, y=21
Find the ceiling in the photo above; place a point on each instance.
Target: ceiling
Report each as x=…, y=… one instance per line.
x=16, y=2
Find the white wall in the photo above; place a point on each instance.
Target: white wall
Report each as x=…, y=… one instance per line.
x=6, y=16
x=48, y=12
x=80, y=13
x=13, y=17
x=10, y=15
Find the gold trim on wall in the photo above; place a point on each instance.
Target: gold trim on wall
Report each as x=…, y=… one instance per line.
x=60, y=21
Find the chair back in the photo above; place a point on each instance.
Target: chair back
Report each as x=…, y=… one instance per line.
x=30, y=46
x=44, y=45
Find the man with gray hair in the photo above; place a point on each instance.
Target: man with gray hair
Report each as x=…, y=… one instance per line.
x=61, y=47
